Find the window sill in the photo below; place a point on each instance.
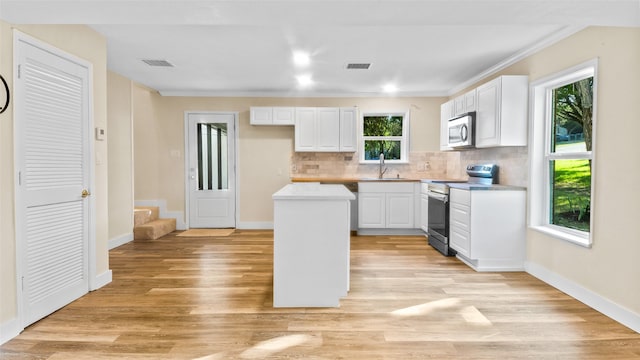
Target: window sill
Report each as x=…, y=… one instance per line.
x=574, y=238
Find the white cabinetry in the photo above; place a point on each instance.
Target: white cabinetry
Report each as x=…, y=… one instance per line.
x=325, y=129
x=348, y=129
x=464, y=103
x=487, y=228
x=371, y=208
x=268, y=115
x=311, y=245
x=388, y=205
x=470, y=101
x=424, y=207
x=446, y=113
x=305, y=129
x=283, y=115
x=501, y=114
x=458, y=106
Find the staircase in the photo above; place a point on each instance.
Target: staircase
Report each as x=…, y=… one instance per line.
x=148, y=225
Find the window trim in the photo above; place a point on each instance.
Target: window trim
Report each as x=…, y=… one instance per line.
x=540, y=152
x=404, y=139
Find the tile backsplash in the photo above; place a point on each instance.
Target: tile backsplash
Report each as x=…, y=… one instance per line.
x=512, y=162
x=422, y=165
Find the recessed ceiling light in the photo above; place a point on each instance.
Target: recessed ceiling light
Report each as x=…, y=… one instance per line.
x=304, y=80
x=390, y=88
x=301, y=58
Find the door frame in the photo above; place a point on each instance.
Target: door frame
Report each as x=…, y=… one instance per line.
x=90, y=157
x=187, y=194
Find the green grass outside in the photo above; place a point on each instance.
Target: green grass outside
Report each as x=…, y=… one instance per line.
x=572, y=194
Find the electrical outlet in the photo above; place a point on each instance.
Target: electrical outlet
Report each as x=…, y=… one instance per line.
x=294, y=167
x=427, y=166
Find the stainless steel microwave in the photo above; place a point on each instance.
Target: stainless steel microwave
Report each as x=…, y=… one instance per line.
x=461, y=131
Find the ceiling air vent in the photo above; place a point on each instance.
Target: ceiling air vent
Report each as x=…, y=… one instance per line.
x=358, y=66
x=162, y=63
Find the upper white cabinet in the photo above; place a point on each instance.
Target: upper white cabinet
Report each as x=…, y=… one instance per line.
x=348, y=129
x=459, y=106
x=325, y=129
x=446, y=113
x=464, y=103
x=283, y=115
x=501, y=112
x=268, y=115
x=470, y=101
x=305, y=129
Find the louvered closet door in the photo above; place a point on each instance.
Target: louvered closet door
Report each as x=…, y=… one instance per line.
x=52, y=121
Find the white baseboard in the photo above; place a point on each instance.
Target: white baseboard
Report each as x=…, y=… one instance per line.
x=101, y=280
x=162, y=206
x=9, y=330
x=255, y=225
x=120, y=240
x=392, y=232
x=618, y=313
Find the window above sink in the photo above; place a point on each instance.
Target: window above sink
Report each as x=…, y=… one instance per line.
x=384, y=132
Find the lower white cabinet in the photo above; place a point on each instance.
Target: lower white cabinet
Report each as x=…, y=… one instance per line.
x=487, y=228
x=371, y=209
x=388, y=205
x=424, y=207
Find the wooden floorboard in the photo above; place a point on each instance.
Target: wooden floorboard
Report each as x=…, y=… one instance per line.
x=211, y=298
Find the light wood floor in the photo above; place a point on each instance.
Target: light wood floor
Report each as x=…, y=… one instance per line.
x=210, y=298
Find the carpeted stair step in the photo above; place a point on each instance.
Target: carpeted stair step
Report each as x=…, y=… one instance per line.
x=154, y=229
x=145, y=214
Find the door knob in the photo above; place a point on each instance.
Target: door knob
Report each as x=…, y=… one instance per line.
x=85, y=193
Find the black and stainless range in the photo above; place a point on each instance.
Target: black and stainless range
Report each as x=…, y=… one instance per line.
x=438, y=192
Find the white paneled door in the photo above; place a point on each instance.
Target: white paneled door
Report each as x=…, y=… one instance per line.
x=52, y=134
x=211, y=170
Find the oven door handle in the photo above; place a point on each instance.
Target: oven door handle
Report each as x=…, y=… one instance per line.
x=438, y=196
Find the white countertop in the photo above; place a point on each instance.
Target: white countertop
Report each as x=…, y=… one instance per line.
x=313, y=191
x=468, y=186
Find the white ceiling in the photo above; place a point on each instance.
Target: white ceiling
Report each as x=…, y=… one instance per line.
x=244, y=48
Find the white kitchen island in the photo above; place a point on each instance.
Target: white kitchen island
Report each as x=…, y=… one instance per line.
x=311, y=245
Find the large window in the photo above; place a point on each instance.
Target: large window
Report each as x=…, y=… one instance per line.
x=562, y=153
x=384, y=133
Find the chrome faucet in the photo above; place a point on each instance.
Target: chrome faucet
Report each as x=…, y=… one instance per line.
x=380, y=171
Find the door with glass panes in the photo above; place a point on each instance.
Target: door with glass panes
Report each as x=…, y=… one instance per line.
x=211, y=170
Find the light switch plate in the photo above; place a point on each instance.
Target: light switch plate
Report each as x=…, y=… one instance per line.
x=101, y=133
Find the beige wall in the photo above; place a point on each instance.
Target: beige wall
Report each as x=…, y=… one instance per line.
x=265, y=152
x=610, y=268
x=120, y=148
x=8, y=309
x=86, y=44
